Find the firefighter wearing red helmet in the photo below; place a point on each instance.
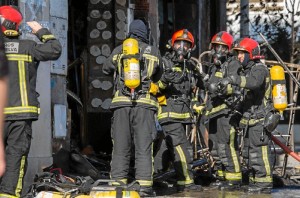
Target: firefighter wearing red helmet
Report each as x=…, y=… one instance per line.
x=247, y=49
x=220, y=46
x=22, y=107
x=177, y=84
x=11, y=19
x=257, y=104
x=222, y=120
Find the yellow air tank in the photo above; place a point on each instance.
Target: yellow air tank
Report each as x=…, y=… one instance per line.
x=113, y=194
x=279, y=93
x=131, y=64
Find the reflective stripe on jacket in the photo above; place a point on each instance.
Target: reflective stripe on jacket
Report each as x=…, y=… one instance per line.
x=178, y=92
x=151, y=70
x=23, y=58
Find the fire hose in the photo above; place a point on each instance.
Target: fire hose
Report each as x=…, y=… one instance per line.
x=285, y=148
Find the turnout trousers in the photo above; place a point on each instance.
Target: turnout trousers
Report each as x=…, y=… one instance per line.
x=133, y=125
x=256, y=153
x=180, y=150
x=224, y=148
x=17, y=139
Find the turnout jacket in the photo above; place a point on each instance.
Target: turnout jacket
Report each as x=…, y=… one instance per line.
x=216, y=104
x=23, y=59
x=179, y=91
x=151, y=70
x=255, y=80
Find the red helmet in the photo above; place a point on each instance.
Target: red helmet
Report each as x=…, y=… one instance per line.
x=249, y=45
x=223, y=38
x=183, y=35
x=12, y=19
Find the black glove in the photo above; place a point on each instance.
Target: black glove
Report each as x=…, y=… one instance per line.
x=213, y=89
x=224, y=82
x=222, y=86
x=168, y=76
x=234, y=80
x=204, y=76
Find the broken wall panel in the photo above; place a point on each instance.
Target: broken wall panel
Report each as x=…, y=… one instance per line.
x=59, y=27
x=101, y=42
x=120, y=21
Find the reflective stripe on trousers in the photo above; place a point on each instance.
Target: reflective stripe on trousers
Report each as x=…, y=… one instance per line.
x=17, y=140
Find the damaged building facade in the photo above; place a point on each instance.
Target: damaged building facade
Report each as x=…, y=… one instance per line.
x=74, y=93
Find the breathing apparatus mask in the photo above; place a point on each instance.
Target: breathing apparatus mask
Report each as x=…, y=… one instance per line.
x=182, y=50
x=219, y=54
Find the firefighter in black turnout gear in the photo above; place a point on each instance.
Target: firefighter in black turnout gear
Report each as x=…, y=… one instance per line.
x=23, y=107
x=255, y=80
x=3, y=98
x=222, y=118
x=177, y=84
x=133, y=115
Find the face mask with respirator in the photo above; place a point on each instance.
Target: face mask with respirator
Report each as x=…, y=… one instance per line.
x=182, y=50
x=219, y=54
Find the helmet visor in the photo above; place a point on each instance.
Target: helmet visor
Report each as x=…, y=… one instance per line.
x=182, y=45
x=220, y=49
x=182, y=49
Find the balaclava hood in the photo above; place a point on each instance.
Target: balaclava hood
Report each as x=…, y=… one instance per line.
x=138, y=29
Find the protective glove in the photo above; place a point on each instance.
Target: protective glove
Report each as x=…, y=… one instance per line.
x=213, y=89
x=168, y=76
x=223, y=84
x=154, y=89
x=233, y=79
x=198, y=108
x=162, y=100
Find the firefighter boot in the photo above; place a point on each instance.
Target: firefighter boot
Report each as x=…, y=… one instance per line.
x=189, y=188
x=147, y=191
x=230, y=186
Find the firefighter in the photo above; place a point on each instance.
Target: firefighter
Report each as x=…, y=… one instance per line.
x=255, y=80
x=177, y=84
x=134, y=109
x=222, y=119
x=23, y=107
x=3, y=98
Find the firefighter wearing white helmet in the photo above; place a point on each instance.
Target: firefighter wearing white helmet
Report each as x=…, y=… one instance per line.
x=22, y=107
